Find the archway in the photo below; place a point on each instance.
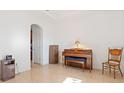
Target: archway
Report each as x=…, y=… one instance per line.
x=36, y=44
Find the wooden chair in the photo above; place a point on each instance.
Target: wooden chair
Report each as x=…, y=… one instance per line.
x=113, y=63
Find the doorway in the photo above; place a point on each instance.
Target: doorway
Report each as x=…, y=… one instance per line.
x=36, y=45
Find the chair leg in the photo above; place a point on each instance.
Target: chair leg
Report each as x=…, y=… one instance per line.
x=114, y=72
x=109, y=69
x=120, y=71
x=103, y=68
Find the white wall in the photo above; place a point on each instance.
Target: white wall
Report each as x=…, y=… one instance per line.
x=95, y=29
x=15, y=35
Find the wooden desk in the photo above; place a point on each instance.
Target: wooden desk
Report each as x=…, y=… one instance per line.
x=79, y=53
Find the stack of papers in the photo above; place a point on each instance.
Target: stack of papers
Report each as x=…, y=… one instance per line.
x=72, y=80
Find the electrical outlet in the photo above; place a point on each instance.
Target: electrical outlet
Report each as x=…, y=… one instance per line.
x=16, y=64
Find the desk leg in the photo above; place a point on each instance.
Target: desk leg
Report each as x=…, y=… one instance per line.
x=63, y=61
x=90, y=68
x=83, y=65
x=89, y=64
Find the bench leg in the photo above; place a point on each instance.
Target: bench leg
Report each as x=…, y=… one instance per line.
x=66, y=64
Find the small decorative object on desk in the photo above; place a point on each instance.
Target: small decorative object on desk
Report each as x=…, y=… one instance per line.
x=77, y=43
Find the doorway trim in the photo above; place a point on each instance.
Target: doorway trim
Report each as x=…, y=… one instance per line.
x=36, y=44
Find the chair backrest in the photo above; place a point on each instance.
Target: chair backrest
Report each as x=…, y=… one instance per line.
x=115, y=55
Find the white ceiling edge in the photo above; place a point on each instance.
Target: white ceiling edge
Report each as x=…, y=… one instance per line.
x=63, y=14
x=50, y=15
